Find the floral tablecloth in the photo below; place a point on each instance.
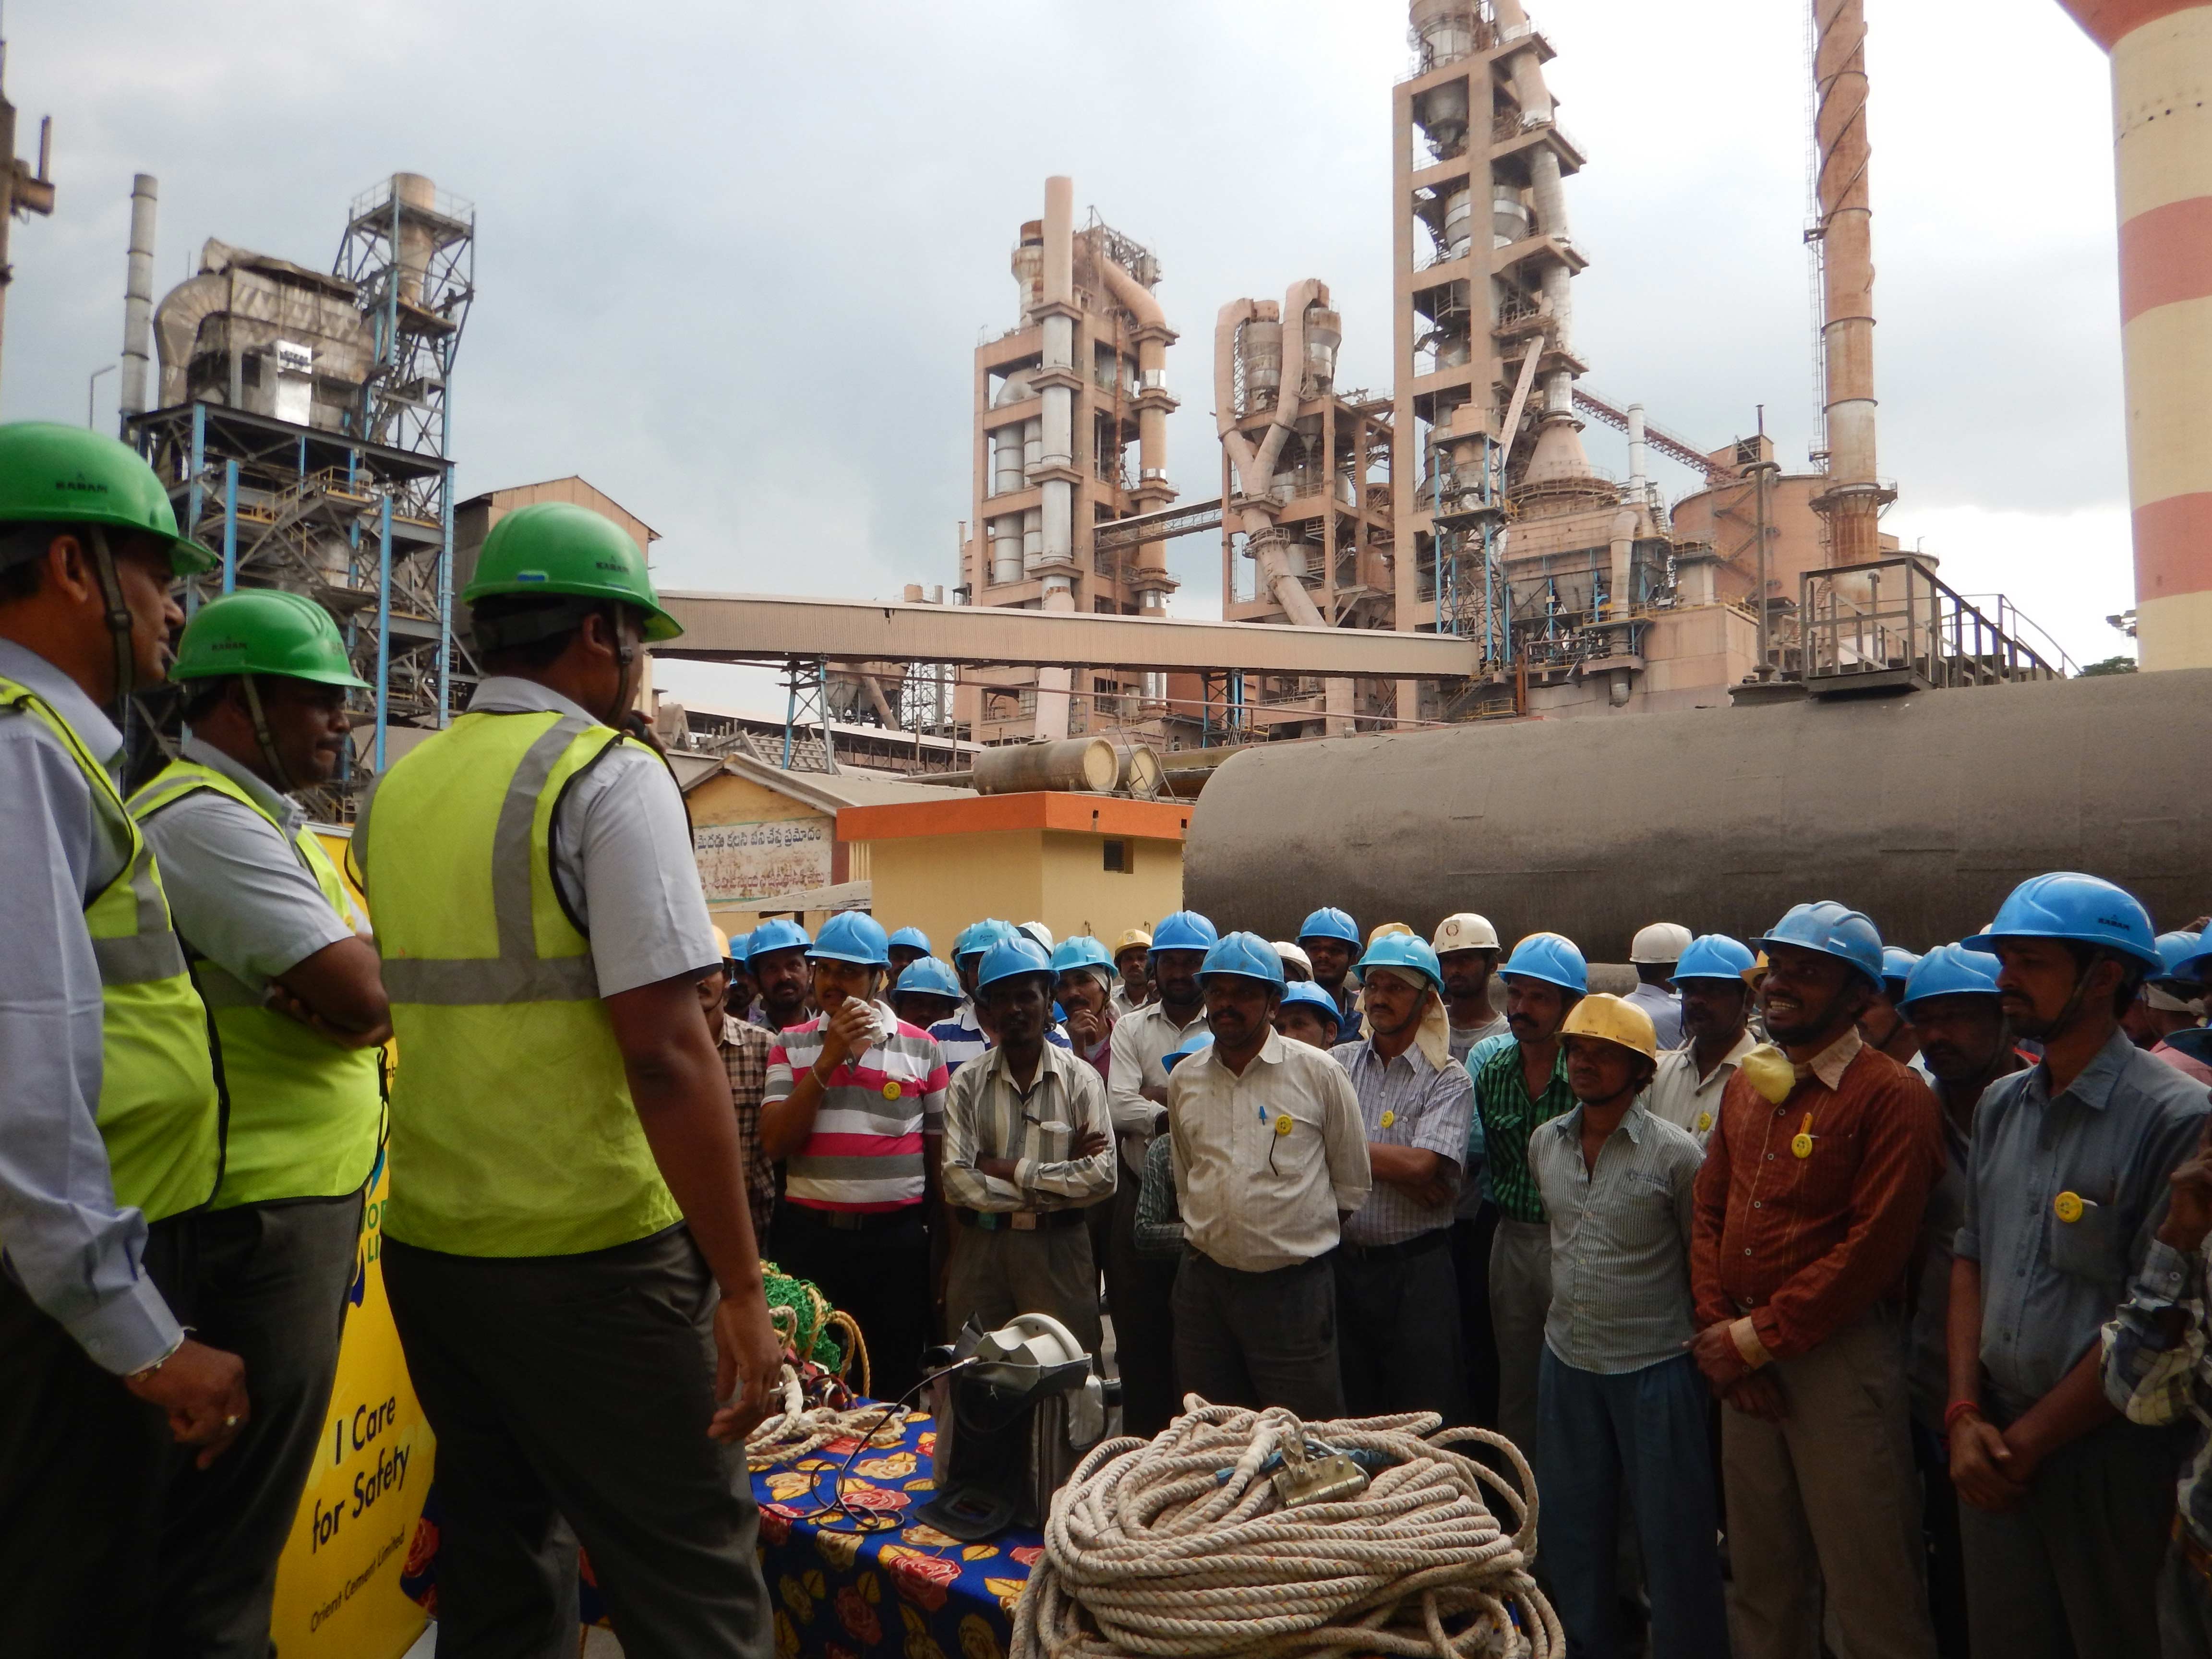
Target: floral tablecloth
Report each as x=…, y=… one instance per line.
x=908, y=1592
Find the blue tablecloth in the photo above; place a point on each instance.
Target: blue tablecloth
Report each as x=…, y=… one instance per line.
x=908, y=1592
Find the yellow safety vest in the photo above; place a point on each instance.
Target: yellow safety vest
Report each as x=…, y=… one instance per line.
x=304, y=1113
x=512, y=1129
x=160, y=1113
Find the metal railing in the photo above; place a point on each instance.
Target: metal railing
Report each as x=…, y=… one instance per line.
x=1894, y=623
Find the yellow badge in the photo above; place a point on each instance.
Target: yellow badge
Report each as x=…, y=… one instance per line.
x=1389, y=1118
x=1801, y=1142
x=890, y=1091
x=1283, y=1124
x=1705, y=1122
x=2067, y=1206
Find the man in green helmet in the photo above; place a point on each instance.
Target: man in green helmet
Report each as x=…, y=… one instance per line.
x=568, y=1245
x=109, y=1119
x=283, y=959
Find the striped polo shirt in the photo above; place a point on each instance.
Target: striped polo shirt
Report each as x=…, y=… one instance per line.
x=866, y=1151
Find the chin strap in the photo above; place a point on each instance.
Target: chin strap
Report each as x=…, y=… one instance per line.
x=277, y=774
x=118, y=616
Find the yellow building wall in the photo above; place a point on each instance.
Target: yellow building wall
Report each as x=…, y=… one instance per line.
x=940, y=884
x=722, y=808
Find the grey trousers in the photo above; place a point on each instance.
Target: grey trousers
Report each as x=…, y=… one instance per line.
x=1398, y=1336
x=570, y=1396
x=271, y=1289
x=1256, y=1340
x=2184, y=1609
x=1828, y=1498
x=2073, y=1571
x=998, y=1273
x=1520, y=1301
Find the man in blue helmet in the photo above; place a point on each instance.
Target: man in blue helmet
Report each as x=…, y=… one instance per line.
x=1397, y=1291
x=1715, y=1015
x=1028, y=1153
x=2066, y=1504
x=966, y=1033
x=1330, y=939
x=908, y=946
x=1807, y=1205
x=776, y=955
x=1139, y=1289
x=1270, y=1157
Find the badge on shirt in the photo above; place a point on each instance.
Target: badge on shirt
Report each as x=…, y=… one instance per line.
x=1705, y=1122
x=2067, y=1208
x=1801, y=1142
x=1283, y=1124
x=892, y=1092
x=1389, y=1118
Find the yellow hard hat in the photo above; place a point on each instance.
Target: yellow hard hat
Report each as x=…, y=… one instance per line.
x=721, y=941
x=1135, y=940
x=1602, y=1015
x=1387, y=929
x=1757, y=971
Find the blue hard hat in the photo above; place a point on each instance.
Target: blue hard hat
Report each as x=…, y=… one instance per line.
x=977, y=937
x=1191, y=1045
x=1186, y=930
x=852, y=936
x=1308, y=995
x=1407, y=951
x=1896, y=965
x=2083, y=910
x=1081, y=951
x=1247, y=955
x=913, y=938
x=2199, y=966
x=777, y=934
x=1951, y=971
x=2175, y=950
x=927, y=977
x=1552, y=958
x=1009, y=958
x=1329, y=922
x=1832, y=929
x=1715, y=956
x=741, y=948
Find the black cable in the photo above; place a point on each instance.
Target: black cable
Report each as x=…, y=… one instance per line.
x=874, y=1520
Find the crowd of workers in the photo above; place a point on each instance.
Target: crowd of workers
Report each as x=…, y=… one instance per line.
x=1922, y=1236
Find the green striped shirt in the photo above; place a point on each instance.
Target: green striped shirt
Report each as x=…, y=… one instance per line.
x=1510, y=1116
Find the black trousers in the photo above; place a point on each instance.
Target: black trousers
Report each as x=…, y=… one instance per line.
x=1259, y=1338
x=1478, y=1340
x=1397, y=1329
x=878, y=1274
x=271, y=1289
x=82, y=1463
x=1140, y=1298
x=570, y=1396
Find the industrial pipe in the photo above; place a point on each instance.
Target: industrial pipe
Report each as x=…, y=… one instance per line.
x=1922, y=811
x=1153, y=334
x=2161, y=55
x=1057, y=498
x=1853, y=499
x=138, y=296
x=1086, y=764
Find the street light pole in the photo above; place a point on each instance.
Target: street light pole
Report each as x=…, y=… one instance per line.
x=92, y=381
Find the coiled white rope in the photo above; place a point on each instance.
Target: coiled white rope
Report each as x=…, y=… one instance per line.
x=798, y=1428
x=1179, y=1546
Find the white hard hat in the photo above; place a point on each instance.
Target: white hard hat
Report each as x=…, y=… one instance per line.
x=1042, y=934
x=1661, y=942
x=1290, y=953
x=1464, y=932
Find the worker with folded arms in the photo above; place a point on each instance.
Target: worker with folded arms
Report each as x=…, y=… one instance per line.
x=1518, y=1084
x=855, y=1106
x=109, y=1115
x=1270, y=1156
x=744, y=1048
x=966, y=1033
x=1140, y=1289
x=568, y=1245
x=1620, y=1407
x=1028, y=1152
x=284, y=962
x=1716, y=1001
x=1810, y=1199
x=1654, y=953
x=1330, y=939
x=2066, y=1504
x=1397, y=1296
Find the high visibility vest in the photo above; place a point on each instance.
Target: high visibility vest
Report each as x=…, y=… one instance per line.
x=512, y=1130
x=304, y=1113
x=159, y=1111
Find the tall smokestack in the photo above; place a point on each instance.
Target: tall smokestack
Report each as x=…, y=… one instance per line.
x=138, y=296
x=2162, y=53
x=1854, y=499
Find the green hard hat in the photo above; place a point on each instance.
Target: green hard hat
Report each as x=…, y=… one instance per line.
x=265, y=630
x=557, y=547
x=56, y=474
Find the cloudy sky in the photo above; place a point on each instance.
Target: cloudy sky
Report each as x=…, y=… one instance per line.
x=733, y=258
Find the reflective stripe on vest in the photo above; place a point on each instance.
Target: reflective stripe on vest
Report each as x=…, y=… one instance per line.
x=160, y=1112
x=512, y=1129
x=304, y=1113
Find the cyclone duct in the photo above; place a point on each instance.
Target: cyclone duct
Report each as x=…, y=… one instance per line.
x=1921, y=811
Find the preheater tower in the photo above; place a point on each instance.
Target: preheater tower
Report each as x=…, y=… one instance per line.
x=2161, y=57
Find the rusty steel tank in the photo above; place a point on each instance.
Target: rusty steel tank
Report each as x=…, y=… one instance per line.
x=1921, y=810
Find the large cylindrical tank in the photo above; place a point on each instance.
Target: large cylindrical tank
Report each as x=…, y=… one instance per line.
x=1006, y=469
x=1508, y=216
x=1081, y=764
x=1324, y=334
x=1459, y=215
x=1032, y=535
x=1006, y=548
x=1032, y=447
x=1924, y=810
x=1260, y=346
x=1141, y=770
